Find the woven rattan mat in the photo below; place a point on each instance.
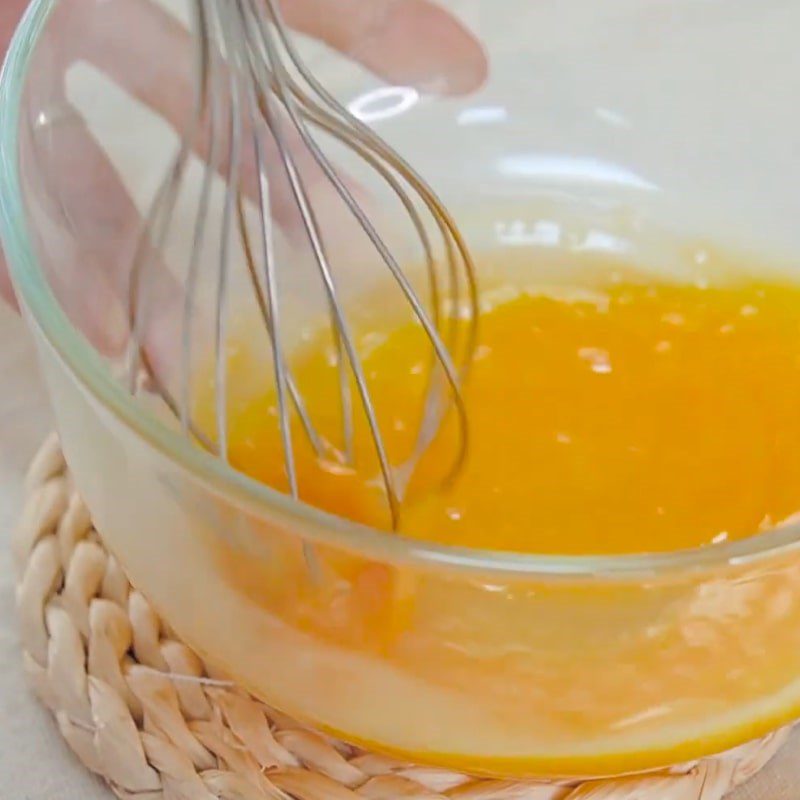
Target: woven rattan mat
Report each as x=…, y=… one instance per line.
x=137, y=706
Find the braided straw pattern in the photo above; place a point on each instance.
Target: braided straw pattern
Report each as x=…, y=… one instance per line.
x=138, y=708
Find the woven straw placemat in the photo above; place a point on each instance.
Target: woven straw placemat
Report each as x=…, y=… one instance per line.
x=138, y=708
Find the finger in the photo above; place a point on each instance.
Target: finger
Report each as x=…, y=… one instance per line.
x=88, y=231
x=407, y=42
x=149, y=53
x=155, y=64
x=10, y=14
x=67, y=248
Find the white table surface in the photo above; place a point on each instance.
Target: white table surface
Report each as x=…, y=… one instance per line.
x=34, y=762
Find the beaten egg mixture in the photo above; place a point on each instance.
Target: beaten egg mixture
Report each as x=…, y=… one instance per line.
x=619, y=413
x=623, y=417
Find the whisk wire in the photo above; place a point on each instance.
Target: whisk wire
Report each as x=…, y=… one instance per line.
x=332, y=117
x=315, y=240
x=246, y=58
x=229, y=205
x=208, y=103
x=445, y=223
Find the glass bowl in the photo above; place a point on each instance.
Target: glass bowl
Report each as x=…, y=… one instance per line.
x=652, y=130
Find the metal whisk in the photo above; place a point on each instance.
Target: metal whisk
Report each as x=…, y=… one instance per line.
x=254, y=91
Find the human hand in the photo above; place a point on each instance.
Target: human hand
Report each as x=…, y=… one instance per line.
x=405, y=42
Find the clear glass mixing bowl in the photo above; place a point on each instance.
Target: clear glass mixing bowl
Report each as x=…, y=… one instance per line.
x=618, y=125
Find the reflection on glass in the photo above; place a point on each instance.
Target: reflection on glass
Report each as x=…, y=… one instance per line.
x=383, y=103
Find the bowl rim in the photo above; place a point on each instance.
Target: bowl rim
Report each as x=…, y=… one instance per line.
x=87, y=368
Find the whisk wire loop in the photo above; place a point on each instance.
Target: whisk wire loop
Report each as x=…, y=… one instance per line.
x=254, y=97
